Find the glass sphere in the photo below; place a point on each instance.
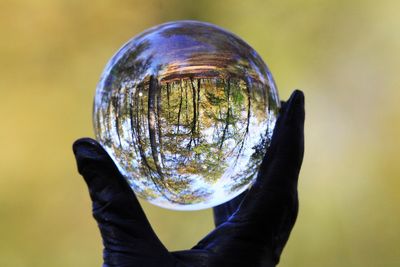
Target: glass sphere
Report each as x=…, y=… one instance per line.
x=186, y=110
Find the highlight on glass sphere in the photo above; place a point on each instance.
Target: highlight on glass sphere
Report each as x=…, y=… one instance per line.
x=186, y=110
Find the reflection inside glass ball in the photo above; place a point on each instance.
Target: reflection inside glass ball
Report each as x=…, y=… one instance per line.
x=186, y=110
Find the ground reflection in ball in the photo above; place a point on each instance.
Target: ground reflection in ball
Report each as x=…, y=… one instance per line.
x=186, y=110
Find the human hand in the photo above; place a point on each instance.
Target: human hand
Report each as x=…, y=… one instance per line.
x=251, y=230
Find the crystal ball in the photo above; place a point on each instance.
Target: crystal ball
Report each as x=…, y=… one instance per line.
x=186, y=110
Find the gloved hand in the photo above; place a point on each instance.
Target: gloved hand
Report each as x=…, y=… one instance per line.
x=251, y=230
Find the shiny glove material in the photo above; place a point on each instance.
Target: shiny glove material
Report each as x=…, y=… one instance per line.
x=251, y=230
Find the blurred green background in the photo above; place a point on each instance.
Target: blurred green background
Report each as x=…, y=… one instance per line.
x=343, y=54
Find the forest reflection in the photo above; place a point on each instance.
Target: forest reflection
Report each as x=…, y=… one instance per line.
x=187, y=118
x=178, y=137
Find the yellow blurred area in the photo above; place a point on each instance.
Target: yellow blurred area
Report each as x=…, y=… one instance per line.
x=343, y=54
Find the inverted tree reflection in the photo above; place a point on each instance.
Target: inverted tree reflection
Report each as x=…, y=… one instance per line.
x=183, y=131
x=187, y=118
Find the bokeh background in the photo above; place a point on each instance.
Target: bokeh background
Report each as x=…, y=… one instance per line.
x=343, y=54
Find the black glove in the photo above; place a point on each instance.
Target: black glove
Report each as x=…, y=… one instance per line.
x=251, y=230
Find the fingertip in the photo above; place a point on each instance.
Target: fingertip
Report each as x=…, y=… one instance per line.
x=85, y=144
x=295, y=101
x=92, y=158
x=298, y=92
x=88, y=149
x=296, y=98
x=294, y=113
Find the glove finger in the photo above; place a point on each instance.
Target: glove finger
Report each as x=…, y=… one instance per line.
x=263, y=220
x=224, y=211
x=281, y=166
x=122, y=222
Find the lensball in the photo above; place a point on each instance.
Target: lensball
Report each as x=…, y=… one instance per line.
x=186, y=110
